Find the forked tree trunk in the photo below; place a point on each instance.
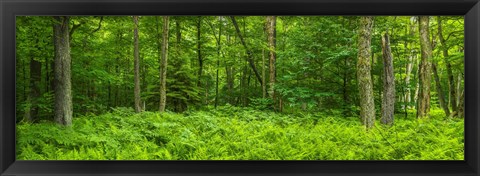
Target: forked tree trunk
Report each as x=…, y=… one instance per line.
x=451, y=82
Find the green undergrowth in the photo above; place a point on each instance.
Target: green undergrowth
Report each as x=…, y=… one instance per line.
x=231, y=133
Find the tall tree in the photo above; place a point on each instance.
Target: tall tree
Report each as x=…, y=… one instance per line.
x=412, y=57
x=388, y=100
x=163, y=65
x=367, y=107
x=136, y=58
x=272, y=25
x=441, y=95
x=249, y=52
x=62, y=71
x=423, y=108
x=451, y=82
x=199, y=50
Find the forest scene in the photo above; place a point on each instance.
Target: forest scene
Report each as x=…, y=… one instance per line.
x=240, y=87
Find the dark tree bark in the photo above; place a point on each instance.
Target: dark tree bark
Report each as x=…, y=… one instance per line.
x=219, y=39
x=264, y=86
x=63, y=87
x=272, y=24
x=388, y=101
x=199, y=51
x=136, y=58
x=423, y=108
x=451, y=82
x=249, y=53
x=441, y=95
x=461, y=104
x=163, y=66
x=367, y=107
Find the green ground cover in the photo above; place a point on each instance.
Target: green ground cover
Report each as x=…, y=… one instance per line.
x=232, y=133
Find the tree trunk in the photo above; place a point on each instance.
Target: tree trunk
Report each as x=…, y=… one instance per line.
x=199, y=51
x=451, y=82
x=136, y=66
x=367, y=107
x=218, y=59
x=423, y=108
x=461, y=108
x=388, y=101
x=441, y=95
x=249, y=53
x=63, y=86
x=272, y=24
x=163, y=66
x=409, y=67
x=264, y=86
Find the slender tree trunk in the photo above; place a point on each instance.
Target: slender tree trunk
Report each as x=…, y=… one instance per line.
x=460, y=95
x=451, y=82
x=441, y=95
x=163, y=65
x=199, y=51
x=367, y=106
x=461, y=103
x=423, y=108
x=136, y=66
x=249, y=53
x=63, y=87
x=388, y=101
x=218, y=59
x=264, y=86
x=272, y=25
x=409, y=67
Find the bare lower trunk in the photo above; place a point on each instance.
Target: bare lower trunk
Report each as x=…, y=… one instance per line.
x=388, y=101
x=136, y=66
x=461, y=104
x=63, y=87
x=367, y=107
x=423, y=108
x=451, y=82
x=163, y=66
x=441, y=95
x=271, y=26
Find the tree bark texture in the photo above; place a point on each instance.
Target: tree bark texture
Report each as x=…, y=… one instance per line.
x=136, y=58
x=388, y=101
x=62, y=71
x=367, y=107
x=451, y=82
x=249, y=53
x=441, y=95
x=272, y=25
x=423, y=108
x=163, y=66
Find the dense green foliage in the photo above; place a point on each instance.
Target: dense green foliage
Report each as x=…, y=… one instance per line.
x=232, y=133
x=217, y=74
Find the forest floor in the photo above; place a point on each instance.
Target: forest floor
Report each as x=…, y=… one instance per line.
x=232, y=133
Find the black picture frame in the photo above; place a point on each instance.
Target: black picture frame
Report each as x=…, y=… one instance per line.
x=11, y=8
